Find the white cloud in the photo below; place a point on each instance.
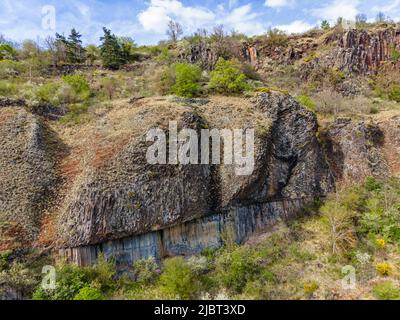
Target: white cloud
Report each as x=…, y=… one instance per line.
x=346, y=9
x=243, y=19
x=155, y=18
x=297, y=26
x=276, y=4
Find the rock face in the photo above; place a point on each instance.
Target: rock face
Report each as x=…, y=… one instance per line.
x=355, y=150
x=26, y=174
x=135, y=210
x=364, y=52
x=118, y=204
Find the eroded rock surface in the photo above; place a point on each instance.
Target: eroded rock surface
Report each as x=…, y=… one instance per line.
x=27, y=176
x=355, y=150
x=128, y=197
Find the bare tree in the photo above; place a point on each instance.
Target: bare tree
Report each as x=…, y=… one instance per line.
x=381, y=17
x=174, y=30
x=219, y=33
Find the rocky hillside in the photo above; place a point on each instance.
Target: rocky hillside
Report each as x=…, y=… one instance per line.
x=110, y=192
x=74, y=174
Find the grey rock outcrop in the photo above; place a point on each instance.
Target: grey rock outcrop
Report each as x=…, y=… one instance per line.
x=27, y=174
x=355, y=150
x=129, y=197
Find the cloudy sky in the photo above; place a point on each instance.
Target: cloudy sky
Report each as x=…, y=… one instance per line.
x=146, y=21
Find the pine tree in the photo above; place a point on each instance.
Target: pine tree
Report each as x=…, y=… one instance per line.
x=111, y=51
x=325, y=25
x=75, y=50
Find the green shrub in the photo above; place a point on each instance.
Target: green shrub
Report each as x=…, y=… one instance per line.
x=227, y=78
x=79, y=84
x=277, y=38
x=386, y=291
x=146, y=271
x=88, y=293
x=7, y=52
x=9, y=68
x=70, y=280
x=381, y=211
x=48, y=92
x=179, y=280
x=234, y=269
x=187, y=78
x=394, y=54
x=394, y=92
x=18, y=277
x=307, y=102
x=7, y=88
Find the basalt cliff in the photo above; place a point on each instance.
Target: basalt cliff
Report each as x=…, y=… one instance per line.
x=111, y=200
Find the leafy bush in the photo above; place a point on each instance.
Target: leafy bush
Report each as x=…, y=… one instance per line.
x=48, y=92
x=277, y=38
x=74, y=281
x=146, y=271
x=179, y=280
x=187, y=78
x=70, y=280
x=80, y=86
x=227, y=78
x=18, y=277
x=381, y=216
x=7, y=52
x=386, y=291
x=7, y=88
x=234, y=269
x=88, y=293
x=9, y=68
x=394, y=92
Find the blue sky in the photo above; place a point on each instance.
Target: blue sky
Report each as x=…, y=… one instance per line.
x=145, y=21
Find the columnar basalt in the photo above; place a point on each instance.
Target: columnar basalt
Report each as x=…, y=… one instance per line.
x=134, y=209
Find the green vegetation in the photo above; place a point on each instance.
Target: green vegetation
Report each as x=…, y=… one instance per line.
x=7, y=52
x=394, y=54
x=325, y=25
x=187, y=78
x=277, y=38
x=227, y=78
x=307, y=102
x=299, y=260
x=386, y=291
x=80, y=283
x=89, y=293
x=115, y=52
